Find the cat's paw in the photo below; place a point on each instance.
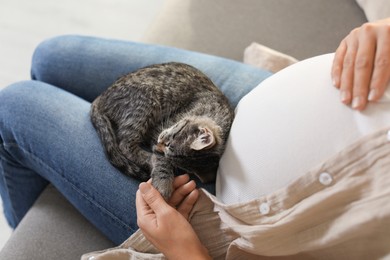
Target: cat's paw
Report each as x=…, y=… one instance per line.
x=164, y=186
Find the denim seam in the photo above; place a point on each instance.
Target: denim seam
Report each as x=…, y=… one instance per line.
x=16, y=219
x=72, y=185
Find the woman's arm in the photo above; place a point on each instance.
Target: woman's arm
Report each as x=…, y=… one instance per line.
x=165, y=225
x=361, y=67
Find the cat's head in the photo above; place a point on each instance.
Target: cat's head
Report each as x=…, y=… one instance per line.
x=189, y=136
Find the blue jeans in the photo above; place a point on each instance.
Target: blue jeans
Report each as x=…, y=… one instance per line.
x=46, y=135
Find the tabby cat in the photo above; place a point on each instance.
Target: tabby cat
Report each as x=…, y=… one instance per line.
x=163, y=118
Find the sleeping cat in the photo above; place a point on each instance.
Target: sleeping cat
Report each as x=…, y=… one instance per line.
x=163, y=118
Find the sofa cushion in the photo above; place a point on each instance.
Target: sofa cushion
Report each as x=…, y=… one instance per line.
x=375, y=9
x=53, y=229
x=300, y=28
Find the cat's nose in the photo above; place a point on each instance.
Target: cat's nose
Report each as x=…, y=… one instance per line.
x=159, y=148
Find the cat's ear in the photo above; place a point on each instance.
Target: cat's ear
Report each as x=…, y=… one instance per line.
x=204, y=140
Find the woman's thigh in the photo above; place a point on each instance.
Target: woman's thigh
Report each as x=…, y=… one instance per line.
x=48, y=131
x=86, y=66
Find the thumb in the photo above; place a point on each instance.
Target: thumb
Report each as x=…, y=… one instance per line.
x=153, y=198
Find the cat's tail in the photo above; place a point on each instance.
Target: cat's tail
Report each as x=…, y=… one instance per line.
x=106, y=133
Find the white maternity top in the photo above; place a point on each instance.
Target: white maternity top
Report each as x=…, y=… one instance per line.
x=287, y=125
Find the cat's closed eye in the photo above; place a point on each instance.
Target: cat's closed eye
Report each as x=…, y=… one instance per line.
x=170, y=146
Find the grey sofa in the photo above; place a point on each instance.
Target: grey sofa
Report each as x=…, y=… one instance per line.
x=53, y=229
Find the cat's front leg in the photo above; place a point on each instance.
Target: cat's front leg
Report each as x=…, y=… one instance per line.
x=162, y=175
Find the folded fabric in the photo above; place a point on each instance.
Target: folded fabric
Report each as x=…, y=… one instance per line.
x=266, y=58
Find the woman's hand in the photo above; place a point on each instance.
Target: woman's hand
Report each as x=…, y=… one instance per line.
x=361, y=67
x=165, y=225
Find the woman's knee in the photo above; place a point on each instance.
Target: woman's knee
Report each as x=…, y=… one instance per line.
x=21, y=92
x=12, y=97
x=33, y=109
x=48, y=54
x=23, y=101
x=82, y=65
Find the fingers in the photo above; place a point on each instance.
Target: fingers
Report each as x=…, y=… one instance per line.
x=381, y=74
x=363, y=68
x=361, y=64
x=182, y=187
x=180, y=180
x=145, y=215
x=181, y=193
x=185, y=195
x=187, y=205
x=346, y=78
x=151, y=199
x=338, y=63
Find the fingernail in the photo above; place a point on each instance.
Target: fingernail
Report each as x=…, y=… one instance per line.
x=144, y=187
x=345, y=96
x=335, y=82
x=356, y=102
x=372, y=95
